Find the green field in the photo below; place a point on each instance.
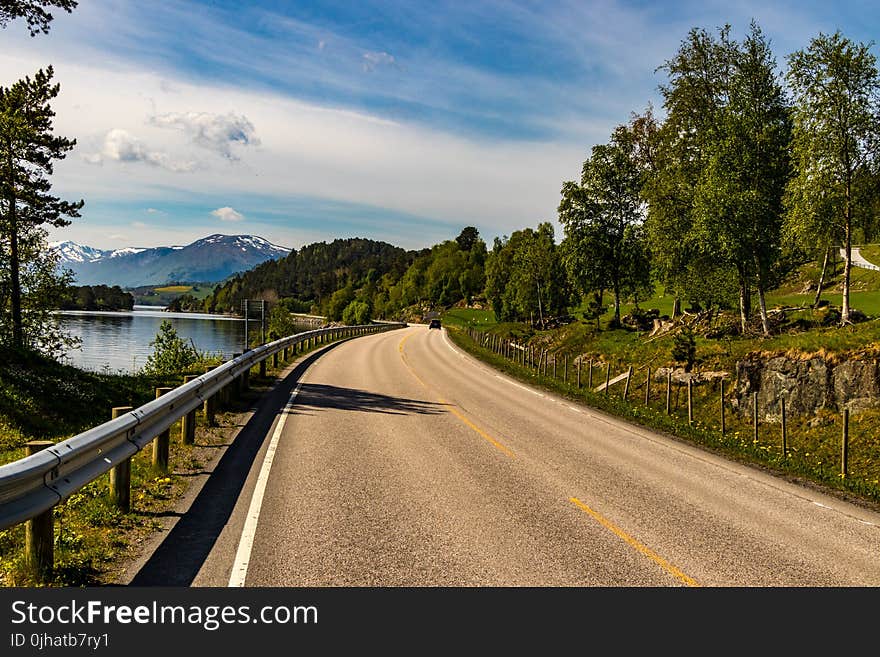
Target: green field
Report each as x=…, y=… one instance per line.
x=162, y=295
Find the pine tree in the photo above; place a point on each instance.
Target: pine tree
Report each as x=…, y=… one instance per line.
x=27, y=150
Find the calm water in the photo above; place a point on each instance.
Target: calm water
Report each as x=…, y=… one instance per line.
x=117, y=341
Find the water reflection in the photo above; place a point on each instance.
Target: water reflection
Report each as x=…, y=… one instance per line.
x=120, y=341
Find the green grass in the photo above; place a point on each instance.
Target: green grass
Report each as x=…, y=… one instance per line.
x=469, y=317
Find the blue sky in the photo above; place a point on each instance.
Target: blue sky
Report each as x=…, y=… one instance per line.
x=402, y=121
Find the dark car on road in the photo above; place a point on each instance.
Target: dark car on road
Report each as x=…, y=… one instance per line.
x=434, y=323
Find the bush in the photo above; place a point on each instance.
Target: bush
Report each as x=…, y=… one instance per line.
x=684, y=348
x=356, y=313
x=171, y=354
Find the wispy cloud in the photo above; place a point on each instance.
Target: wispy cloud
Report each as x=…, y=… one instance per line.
x=373, y=60
x=227, y=214
x=138, y=224
x=216, y=132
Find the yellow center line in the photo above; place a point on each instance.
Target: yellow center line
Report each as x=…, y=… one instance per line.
x=501, y=447
x=648, y=552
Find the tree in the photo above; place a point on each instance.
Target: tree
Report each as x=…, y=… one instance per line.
x=33, y=11
x=467, y=238
x=602, y=218
x=836, y=92
x=171, y=354
x=738, y=201
x=676, y=153
x=42, y=287
x=27, y=151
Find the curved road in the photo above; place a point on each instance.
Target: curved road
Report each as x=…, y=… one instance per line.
x=403, y=461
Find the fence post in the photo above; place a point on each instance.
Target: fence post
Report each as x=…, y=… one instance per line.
x=722, y=407
x=263, y=367
x=565, y=370
x=626, y=385
x=275, y=359
x=755, y=414
x=161, y=443
x=607, y=376
x=188, y=422
x=39, y=531
x=579, y=374
x=120, y=475
x=590, y=376
x=668, y=392
x=844, y=443
x=648, y=385
x=690, y=401
x=784, y=441
x=554, y=365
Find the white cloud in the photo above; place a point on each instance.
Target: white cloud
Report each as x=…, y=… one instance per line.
x=227, y=214
x=121, y=146
x=138, y=224
x=216, y=132
x=309, y=151
x=372, y=60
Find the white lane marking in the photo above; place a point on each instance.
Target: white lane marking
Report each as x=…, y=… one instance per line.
x=822, y=505
x=246, y=544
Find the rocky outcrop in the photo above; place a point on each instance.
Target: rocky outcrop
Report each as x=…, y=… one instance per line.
x=806, y=384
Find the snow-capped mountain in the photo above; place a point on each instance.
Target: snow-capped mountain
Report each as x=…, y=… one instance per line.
x=208, y=260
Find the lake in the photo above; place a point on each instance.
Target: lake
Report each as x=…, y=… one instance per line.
x=120, y=341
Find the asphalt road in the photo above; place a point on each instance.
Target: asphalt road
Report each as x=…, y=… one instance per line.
x=403, y=461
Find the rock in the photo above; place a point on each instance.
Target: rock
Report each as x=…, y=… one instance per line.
x=819, y=421
x=807, y=385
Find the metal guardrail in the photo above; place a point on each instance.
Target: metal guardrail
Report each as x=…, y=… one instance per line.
x=34, y=484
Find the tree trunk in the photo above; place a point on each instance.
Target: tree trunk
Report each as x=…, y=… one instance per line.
x=540, y=310
x=14, y=274
x=744, y=301
x=762, y=305
x=847, y=255
x=616, y=303
x=821, y=283
x=676, y=307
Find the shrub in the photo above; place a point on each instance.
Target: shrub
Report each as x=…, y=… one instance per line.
x=171, y=354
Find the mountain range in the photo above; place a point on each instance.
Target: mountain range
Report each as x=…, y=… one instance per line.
x=209, y=260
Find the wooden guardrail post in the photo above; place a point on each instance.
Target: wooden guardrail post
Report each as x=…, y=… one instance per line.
x=39, y=531
x=210, y=405
x=275, y=360
x=120, y=475
x=188, y=421
x=263, y=367
x=162, y=442
x=237, y=384
x=844, y=444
